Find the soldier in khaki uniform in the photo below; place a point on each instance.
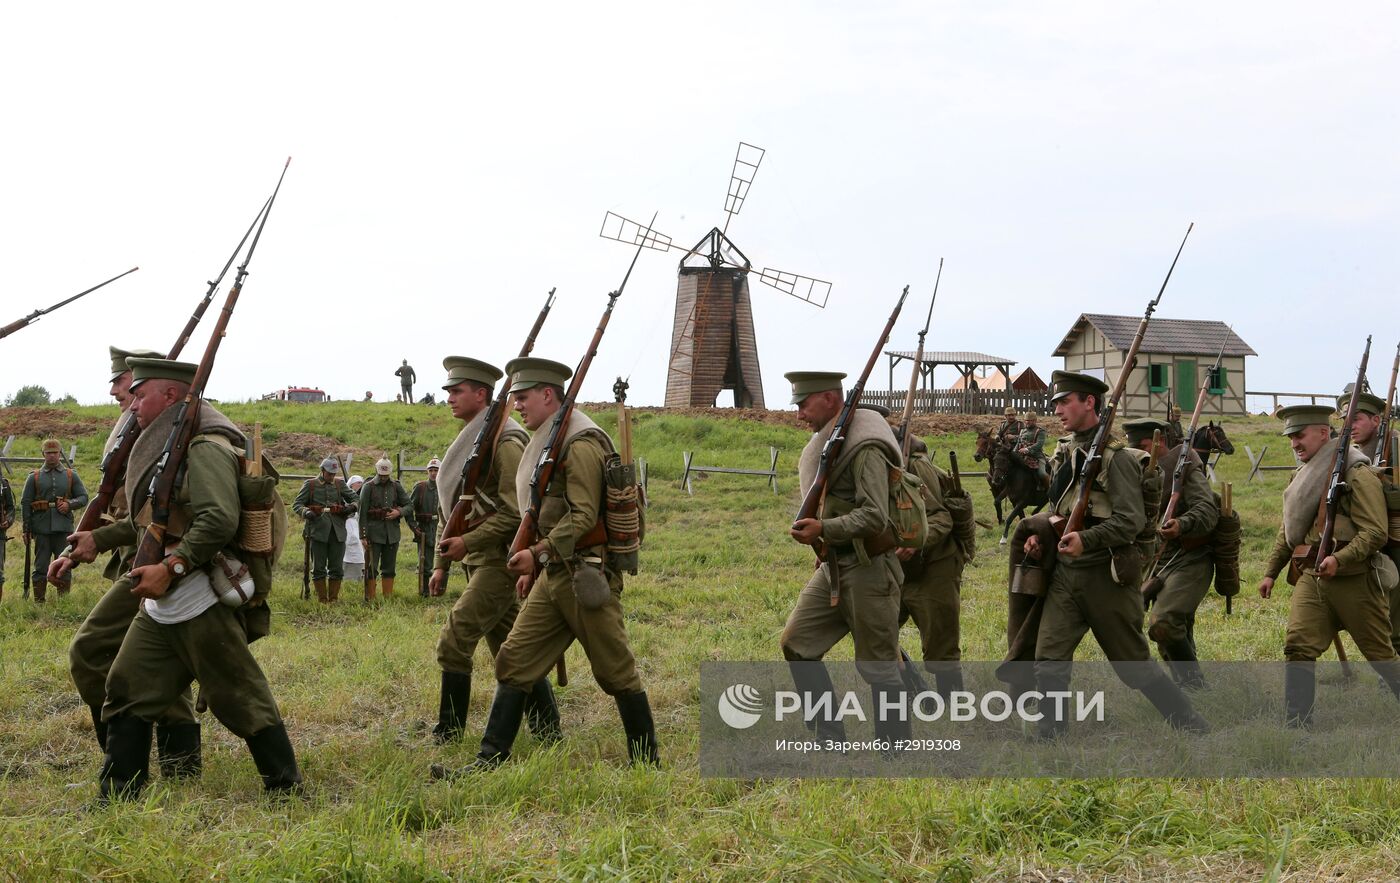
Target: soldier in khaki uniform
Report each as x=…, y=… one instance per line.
x=1004, y=438
x=854, y=526
x=488, y=607
x=1347, y=589
x=1030, y=447
x=571, y=550
x=97, y=640
x=932, y=590
x=325, y=502
x=1084, y=594
x=53, y=493
x=184, y=632
x=383, y=504
x=1186, y=562
x=1174, y=433
x=1365, y=429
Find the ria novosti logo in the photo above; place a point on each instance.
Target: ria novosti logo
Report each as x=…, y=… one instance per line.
x=740, y=706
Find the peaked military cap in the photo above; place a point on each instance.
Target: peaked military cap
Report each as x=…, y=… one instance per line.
x=1142, y=428
x=1365, y=403
x=1065, y=382
x=51, y=444
x=804, y=383
x=119, y=357
x=461, y=368
x=529, y=372
x=1296, y=418
x=143, y=369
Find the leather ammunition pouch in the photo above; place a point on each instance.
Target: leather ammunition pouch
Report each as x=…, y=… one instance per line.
x=377, y=514
x=39, y=506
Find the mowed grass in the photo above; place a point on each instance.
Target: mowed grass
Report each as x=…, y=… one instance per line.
x=358, y=687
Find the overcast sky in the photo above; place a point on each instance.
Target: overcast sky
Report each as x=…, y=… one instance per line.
x=453, y=162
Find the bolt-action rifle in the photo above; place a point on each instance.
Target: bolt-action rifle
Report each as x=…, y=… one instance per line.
x=906, y=438
x=461, y=520
x=1385, y=452
x=528, y=533
x=169, y=469
x=34, y=316
x=1093, y=461
x=113, y=464
x=831, y=450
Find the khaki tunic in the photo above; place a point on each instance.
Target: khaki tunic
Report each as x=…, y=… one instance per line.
x=1186, y=572
x=932, y=593
x=869, y=600
x=1352, y=600
x=156, y=663
x=488, y=607
x=551, y=618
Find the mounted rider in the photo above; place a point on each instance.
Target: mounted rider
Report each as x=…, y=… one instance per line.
x=1030, y=447
x=1004, y=440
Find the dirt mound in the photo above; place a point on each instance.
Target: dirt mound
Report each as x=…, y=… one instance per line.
x=59, y=423
x=924, y=424
x=300, y=447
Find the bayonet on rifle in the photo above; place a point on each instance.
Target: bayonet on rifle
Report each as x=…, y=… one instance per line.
x=906, y=439
x=34, y=316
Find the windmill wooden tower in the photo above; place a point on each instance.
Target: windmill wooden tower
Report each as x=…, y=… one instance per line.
x=713, y=344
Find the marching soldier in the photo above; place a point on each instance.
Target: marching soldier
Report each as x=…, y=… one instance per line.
x=383, y=502
x=406, y=376
x=424, y=499
x=7, y=518
x=98, y=639
x=932, y=590
x=183, y=632
x=1085, y=591
x=52, y=493
x=1365, y=429
x=852, y=525
x=571, y=551
x=1345, y=589
x=488, y=607
x=325, y=502
x=1187, y=559
x=1030, y=447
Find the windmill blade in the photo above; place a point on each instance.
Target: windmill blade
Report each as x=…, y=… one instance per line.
x=746, y=160
x=804, y=288
x=620, y=229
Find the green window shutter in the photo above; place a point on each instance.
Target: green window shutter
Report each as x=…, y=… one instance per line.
x=1219, y=383
x=1157, y=378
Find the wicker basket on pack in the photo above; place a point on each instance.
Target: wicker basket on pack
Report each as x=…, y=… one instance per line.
x=624, y=515
x=262, y=534
x=1226, y=541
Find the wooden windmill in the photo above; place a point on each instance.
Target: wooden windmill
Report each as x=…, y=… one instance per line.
x=713, y=345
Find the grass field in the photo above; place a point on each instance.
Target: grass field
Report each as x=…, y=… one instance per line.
x=357, y=686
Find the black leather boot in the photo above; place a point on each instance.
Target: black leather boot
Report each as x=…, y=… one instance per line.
x=1168, y=699
x=542, y=713
x=125, y=767
x=949, y=678
x=639, y=726
x=814, y=681
x=1054, y=711
x=452, y=706
x=891, y=727
x=1299, y=692
x=99, y=729
x=276, y=761
x=502, y=726
x=1180, y=657
x=178, y=751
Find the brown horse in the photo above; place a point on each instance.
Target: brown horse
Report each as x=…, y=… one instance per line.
x=1020, y=484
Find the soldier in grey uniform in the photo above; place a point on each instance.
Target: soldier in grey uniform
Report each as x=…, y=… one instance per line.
x=406, y=376
x=326, y=502
x=1085, y=593
x=52, y=494
x=7, y=518
x=1186, y=562
x=424, y=500
x=383, y=504
x=853, y=525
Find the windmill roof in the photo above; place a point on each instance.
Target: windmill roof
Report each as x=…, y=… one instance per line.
x=1193, y=336
x=958, y=357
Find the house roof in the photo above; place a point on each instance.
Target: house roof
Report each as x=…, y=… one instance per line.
x=952, y=358
x=1188, y=336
